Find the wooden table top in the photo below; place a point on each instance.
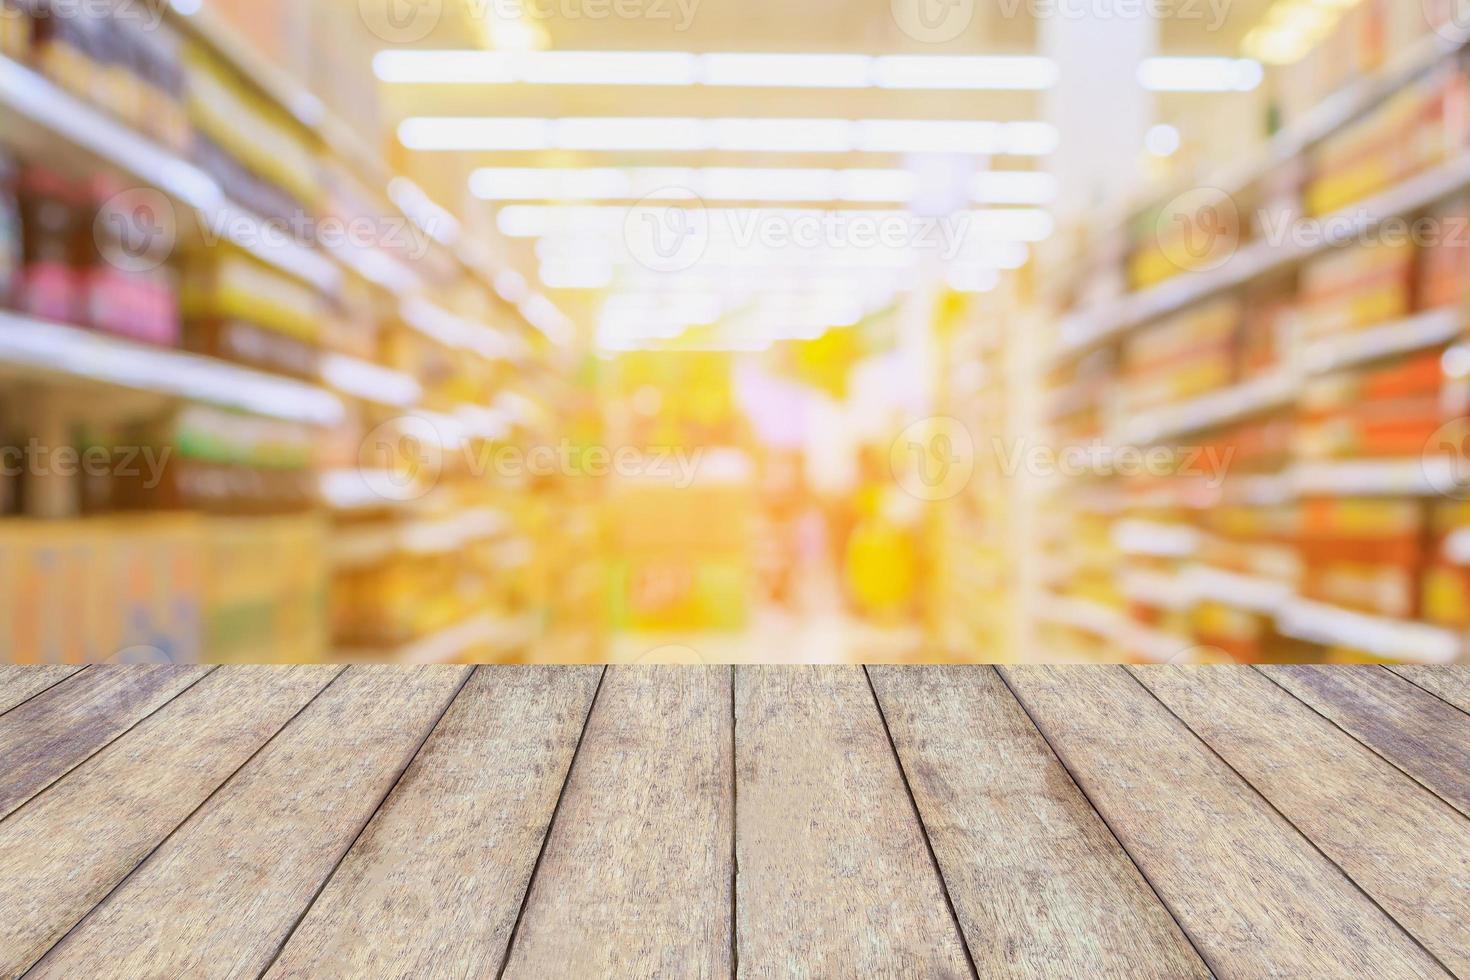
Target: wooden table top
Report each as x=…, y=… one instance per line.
x=708, y=821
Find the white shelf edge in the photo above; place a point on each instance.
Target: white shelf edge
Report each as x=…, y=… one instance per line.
x=52, y=108
x=484, y=629
x=1256, y=259
x=1391, y=639
x=1405, y=336
x=90, y=356
x=1339, y=109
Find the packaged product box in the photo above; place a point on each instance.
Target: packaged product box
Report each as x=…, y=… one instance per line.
x=265, y=593
x=157, y=581
x=15, y=30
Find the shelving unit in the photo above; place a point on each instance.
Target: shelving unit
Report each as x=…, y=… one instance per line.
x=352, y=393
x=1149, y=567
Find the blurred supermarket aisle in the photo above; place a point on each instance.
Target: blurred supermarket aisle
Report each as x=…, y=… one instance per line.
x=409, y=331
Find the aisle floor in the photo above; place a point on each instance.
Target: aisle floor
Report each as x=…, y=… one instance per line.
x=766, y=821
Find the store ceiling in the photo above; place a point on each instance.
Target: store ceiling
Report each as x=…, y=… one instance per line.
x=998, y=27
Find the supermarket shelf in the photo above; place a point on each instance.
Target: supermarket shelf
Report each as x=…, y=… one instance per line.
x=1210, y=411
x=1250, y=592
x=85, y=356
x=40, y=104
x=1081, y=332
x=1400, y=337
x=370, y=382
x=1374, y=477
x=1279, y=389
x=1086, y=615
x=1302, y=619
x=1457, y=548
x=1114, y=626
x=362, y=547
x=1392, y=639
x=483, y=634
x=1336, y=111
x=278, y=85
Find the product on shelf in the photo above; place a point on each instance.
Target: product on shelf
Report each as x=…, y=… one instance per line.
x=11, y=252
x=1416, y=128
x=222, y=462
x=1360, y=286
x=1444, y=262
x=53, y=223
x=1182, y=357
x=241, y=310
x=98, y=591
x=1364, y=554
x=1388, y=410
x=1447, y=580
x=265, y=591
x=128, y=286
x=256, y=151
x=15, y=30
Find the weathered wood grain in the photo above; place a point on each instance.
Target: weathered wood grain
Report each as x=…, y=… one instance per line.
x=634, y=880
x=835, y=877
x=1256, y=898
x=223, y=892
x=1450, y=684
x=433, y=885
x=1041, y=887
x=21, y=683
x=44, y=738
x=62, y=852
x=1364, y=814
x=1408, y=726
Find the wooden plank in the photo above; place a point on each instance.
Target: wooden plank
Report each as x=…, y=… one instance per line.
x=1364, y=814
x=634, y=880
x=19, y=684
x=220, y=896
x=1040, y=885
x=62, y=852
x=1450, y=684
x=1408, y=726
x=47, y=736
x=835, y=877
x=1255, y=897
x=411, y=903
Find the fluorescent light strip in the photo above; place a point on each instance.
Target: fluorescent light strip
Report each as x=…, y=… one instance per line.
x=490, y=134
x=787, y=70
x=739, y=69
x=744, y=184
x=730, y=226
x=1200, y=74
x=680, y=69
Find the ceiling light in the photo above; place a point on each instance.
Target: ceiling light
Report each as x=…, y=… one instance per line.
x=955, y=72
x=743, y=69
x=901, y=136
x=1013, y=187
x=1200, y=74
x=1162, y=140
x=788, y=70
